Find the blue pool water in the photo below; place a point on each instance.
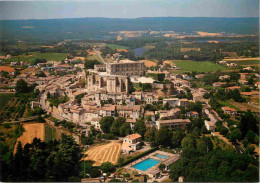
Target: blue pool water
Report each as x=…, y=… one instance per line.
x=161, y=156
x=146, y=164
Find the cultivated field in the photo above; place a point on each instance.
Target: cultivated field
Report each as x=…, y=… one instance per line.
x=31, y=130
x=34, y=55
x=93, y=57
x=124, y=50
x=198, y=66
x=4, y=99
x=170, y=35
x=29, y=70
x=242, y=59
x=6, y=69
x=208, y=34
x=104, y=153
x=168, y=62
x=189, y=49
x=114, y=46
x=245, y=106
x=149, y=63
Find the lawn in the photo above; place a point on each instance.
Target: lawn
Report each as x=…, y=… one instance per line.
x=34, y=55
x=198, y=66
x=4, y=99
x=114, y=46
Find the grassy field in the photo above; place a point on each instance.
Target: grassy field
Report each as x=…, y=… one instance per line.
x=245, y=106
x=4, y=98
x=205, y=66
x=34, y=55
x=114, y=46
x=228, y=104
x=93, y=57
x=7, y=136
x=50, y=133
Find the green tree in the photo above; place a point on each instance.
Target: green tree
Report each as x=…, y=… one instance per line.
x=204, y=144
x=162, y=167
x=115, y=128
x=106, y=123
x=150, y=135
x=250, y=149
x=163, y=136
x=248, y=122
x=22, y=86
x=107, y=167
x=223, y=130
x=250, y=135
x=140, y=127
x=89, y=64
x=125, y=130
x=177, y=137
x=188, y=142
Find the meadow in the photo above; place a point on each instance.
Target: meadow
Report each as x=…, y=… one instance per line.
x=93, y=57
x=228, y=104
x=114, y=46
x=204, y=66
x=34, y=55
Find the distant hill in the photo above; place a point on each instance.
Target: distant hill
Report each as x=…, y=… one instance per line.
x=99, y=28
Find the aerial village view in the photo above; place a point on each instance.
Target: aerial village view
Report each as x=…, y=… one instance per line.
x=90, y=91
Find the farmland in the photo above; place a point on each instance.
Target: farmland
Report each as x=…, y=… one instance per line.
x=32, y=130
x=114, y=46
x=227, y=103
x=35, y=55
x=245, y=106
x=204, y=66
x=15, y=108
x=149, y=63
x=93, y=57
x=6, y=69
x=104, y=153
x=4, y=99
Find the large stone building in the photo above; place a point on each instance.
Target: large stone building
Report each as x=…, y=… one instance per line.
x=107, y=83
x=126, y=68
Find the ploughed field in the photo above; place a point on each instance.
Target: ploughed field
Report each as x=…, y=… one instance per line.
x=104, y=153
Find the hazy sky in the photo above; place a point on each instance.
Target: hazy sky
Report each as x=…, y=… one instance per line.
x=127, y=8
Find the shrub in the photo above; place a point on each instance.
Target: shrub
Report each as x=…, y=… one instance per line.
x=7, y=125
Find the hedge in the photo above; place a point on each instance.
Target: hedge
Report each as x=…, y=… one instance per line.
x=139, y=156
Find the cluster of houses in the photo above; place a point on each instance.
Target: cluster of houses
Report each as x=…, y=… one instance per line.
x=107, y=94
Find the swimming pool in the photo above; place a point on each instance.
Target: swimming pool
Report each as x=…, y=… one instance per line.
x=146, y=164
x=161, y=156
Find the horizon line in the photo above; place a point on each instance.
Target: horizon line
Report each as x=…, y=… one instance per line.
x=118, y=18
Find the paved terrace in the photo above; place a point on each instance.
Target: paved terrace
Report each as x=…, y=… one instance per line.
x=155, y=169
